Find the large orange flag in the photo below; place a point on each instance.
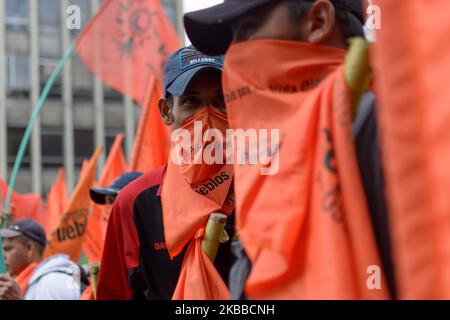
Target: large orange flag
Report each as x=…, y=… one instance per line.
x=301, y=210
x=95, y=235
x=414, y=115
x=84, y=168
x=152, y=143
x=199, y=279
x=56, y=202
x=127, y=44
x=68, y=236
x=24, y=206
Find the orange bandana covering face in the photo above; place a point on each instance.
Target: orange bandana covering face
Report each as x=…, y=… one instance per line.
x=192, y=188
x=305, y=228
x=24, y=277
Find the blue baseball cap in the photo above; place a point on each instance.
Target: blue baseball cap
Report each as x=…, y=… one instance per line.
x=184, y=65
x=26, y=227
x=98, y=195
x=210, y=29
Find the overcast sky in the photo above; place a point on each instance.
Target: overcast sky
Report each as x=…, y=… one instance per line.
x=192, y=5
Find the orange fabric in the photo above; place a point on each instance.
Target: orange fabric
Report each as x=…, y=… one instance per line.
x=84, y=168
x=190, y=193
x=87, y=294
x=305, y=228
x=414, y=115
x=115, y=165
x=152, y=143
x=186, y=182
x=24, y=206
x=68, y=236
x=198, y=277
x=24, y=277
x=56, y=201
x=128, y=41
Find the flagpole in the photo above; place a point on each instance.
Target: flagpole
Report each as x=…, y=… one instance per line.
x=357, y=71
x=26, y=138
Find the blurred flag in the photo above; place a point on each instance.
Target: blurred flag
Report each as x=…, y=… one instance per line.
x=56, y=202
x=127, y=44
x=68, y=236
x=24, y=206
x=95, y=235
x=412, y=63
x=84, y=168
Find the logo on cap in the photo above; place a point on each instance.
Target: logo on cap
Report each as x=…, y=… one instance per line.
x=190, y=58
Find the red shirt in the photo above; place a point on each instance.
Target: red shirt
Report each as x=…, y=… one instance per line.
x=121, y=249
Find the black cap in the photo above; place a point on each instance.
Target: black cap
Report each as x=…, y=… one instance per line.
x=28, y=228
x=98, y=195
x=182, y=67
x=210, y=29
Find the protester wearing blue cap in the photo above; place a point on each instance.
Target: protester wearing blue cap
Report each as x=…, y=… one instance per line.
x=328, y=23
x=135, y=262
x=107, y=195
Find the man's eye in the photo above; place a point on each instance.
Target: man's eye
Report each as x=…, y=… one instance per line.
x=244, y=29
x=219, y=102
x=192, y=101
x=248, y=26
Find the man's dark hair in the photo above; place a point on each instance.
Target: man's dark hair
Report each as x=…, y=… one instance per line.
x=24, y=241
x=349, y=24
x=169, y=99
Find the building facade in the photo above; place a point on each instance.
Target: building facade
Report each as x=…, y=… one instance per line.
x=80, y=112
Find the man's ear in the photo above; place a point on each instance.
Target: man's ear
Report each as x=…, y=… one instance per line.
x=321, y=21
x=166, y=112
x=30, y=249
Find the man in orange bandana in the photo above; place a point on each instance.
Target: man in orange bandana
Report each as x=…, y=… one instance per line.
x=283, y=70
x=157, y=220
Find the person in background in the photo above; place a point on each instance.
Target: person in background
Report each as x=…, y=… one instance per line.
x=105, y=197
x=30, y=276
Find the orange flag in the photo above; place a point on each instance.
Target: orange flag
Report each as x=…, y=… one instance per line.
x=127, y=44
x=414, y=115
x=199, y=279
x=24, y=206
x=152, y=143
x=24, y=277
x=68, y=236
x=87, y=294
x=95, y=235
x=301, y=210
x=84, y=168
x=56, y=202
